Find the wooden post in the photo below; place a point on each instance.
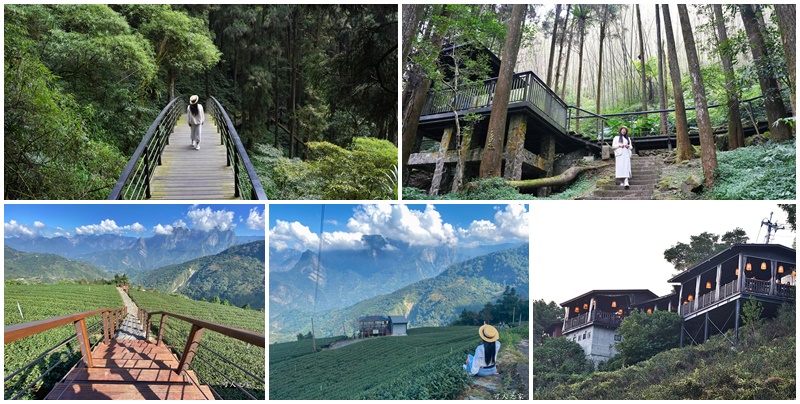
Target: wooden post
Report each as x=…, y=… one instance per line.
x=106, y=337
x=682, y=329
x=83, y=341
x=705, y=328
x=696, y=302
x=191, y=346
x=436, y=183
x=717, y=285
x=773, y=266
x=161, y=328
x=740, y=282
x=736, y=323
x=147, y=329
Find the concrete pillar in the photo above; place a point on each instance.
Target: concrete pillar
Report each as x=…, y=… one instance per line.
x=705, y=328
x=736, y=323
x=436, y=184
x=548, y=155
x=515, y=146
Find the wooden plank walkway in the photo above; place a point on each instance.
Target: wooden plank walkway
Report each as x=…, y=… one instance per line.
x=186, y=173
x=130, y=368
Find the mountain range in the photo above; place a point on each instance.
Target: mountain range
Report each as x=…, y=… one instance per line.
x=433, y=300
x=116, y=254
x=46, y=268
x=236, y=274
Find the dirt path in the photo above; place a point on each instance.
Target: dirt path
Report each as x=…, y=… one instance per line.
x=510, y=384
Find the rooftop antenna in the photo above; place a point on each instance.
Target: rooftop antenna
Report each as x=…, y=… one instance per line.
x=772, y=228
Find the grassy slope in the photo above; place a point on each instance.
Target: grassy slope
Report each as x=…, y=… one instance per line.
x=47, y=268
x=763, y=366
x=39, y=302
x=245, y=355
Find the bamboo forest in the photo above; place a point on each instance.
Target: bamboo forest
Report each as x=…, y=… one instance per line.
x=304, y=98
x=527, y=101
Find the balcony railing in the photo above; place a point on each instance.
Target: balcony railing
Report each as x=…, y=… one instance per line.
x=526, y=87
x=597, y=317
x=753, y=286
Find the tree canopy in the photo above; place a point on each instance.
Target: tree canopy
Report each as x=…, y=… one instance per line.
x=644, y=335
x=702, y=246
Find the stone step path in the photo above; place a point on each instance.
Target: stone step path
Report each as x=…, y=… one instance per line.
x=131, y=329
x=645, y=171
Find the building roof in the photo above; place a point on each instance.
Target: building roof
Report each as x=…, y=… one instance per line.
x=398, y=319
x=636, y=294
x=729, y=252
x=373, y=318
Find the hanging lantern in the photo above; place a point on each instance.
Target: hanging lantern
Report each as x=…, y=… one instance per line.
x=691, y=298
x=649, y=311
x=619, y=311
x=737, y=271
x=586, y=306
x=794, y=272
x=577, y=310
x=614, y=303
x=685, y=302
x=780, y=269
x=763, y=265
x=708, y=285
x=748, y=267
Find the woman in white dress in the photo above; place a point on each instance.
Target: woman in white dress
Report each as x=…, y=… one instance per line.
x=484, y=362
x=622, y=152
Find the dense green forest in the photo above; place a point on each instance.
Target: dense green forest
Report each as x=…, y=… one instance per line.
x=709, y=71
x=311, y=90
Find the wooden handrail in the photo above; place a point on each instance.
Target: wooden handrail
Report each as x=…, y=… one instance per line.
x=250, y=337
x=19, y=331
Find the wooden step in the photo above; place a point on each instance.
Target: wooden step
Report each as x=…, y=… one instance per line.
x=136, y=363
x=119, y=391
x=126, y=375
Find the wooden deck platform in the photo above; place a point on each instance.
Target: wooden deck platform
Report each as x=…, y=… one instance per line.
x=186, y=173
x=130, y=370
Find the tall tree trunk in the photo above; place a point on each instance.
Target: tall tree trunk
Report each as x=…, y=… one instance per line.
x=566, y=63
x=684, y=146
x=582, y=31
x=171, y=81
x=708, y=148
x=561, y=49
x=415, y=93
x=642, y=58
x=492, y=159
x=412, y=13
x=769, y=86
x=600, y=59
x=735, y=132
x=662, y=94
x=553, y=47
x=786, y=14
x=275, y=87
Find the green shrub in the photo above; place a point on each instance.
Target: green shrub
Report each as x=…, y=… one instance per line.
x=767, y=171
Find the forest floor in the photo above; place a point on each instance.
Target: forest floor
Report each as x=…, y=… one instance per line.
x=510, y=384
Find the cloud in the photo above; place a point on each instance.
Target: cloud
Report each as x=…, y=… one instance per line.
x=109, y=226
x=168, y=229
x=401, y=223
x=39, y=225
x=294, y=234
x=255, y=221
x=14, y=229
x=510, y=224
x=332, y=222
x=207, y=220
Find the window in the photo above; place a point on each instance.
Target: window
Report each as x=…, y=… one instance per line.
x=589, y=335
x=617, y=337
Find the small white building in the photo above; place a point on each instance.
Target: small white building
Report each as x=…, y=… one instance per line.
x=592, y=319
x=398, y=325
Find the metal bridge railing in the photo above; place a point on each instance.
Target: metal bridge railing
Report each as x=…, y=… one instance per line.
x=55, y=362
x=229, y=381
x=134, y=183
x=247, y=184
x=525, y=87
x=752, y=110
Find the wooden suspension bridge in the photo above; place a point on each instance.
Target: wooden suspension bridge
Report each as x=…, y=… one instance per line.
x=167, y=166
x=127, y=363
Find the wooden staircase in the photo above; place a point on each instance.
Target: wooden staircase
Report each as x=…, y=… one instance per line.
x=130, y=370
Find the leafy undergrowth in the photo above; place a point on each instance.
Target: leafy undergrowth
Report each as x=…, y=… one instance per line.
x=498, y=189
x=762, y=366
x=767, y=171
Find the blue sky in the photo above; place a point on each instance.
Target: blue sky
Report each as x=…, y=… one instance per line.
x=298, y=226
x=140, y=220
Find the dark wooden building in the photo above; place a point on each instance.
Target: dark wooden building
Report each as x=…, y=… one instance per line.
x=712, y=292
x=536, y=129
x=592, y=319
x=377, y=326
